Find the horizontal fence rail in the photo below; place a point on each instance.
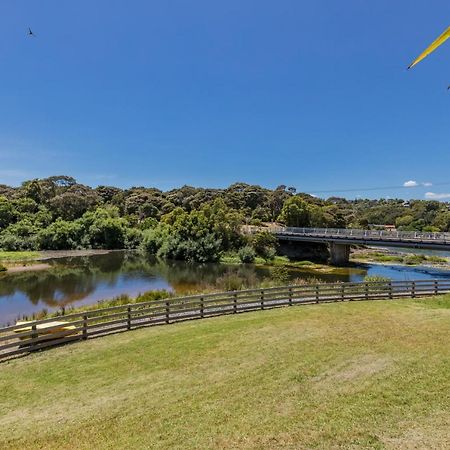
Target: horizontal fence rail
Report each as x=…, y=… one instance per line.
x=325, y=234
x=40, y=334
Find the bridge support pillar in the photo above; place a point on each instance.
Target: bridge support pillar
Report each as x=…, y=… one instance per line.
x=339, y=254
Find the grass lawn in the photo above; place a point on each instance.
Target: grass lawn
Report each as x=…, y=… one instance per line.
x=344, y=375
x=18, y=256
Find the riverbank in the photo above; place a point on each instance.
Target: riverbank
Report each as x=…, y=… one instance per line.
x=15, y=262
x=393, y=257
x=77, y=281
x=27, y=268
x=32, y=260
x=283, y=261
x=24, y=261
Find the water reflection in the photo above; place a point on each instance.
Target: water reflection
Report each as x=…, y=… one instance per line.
x=83, y=280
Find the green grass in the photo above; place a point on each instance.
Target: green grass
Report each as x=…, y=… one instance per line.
x=337, y=376
x=283, y=261
x=18, y=256
x=409, y=259
x=233, y=258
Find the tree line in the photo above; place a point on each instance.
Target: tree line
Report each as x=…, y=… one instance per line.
x=188, y=223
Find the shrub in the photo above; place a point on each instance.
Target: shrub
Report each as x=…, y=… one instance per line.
x=411, y=260
x=376, y=279
x=230, y=282
x=247, y=254
x=3, y=268
x=304, y=263
x=61, y=235
x=436, y=259
x=133, y=238
x=280, y=274
x=151, y=241
x=265, y=244
x=270, y=254
x=256, y=222
x=10, y=242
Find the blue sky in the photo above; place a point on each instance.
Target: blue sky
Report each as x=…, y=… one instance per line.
x=164, y=93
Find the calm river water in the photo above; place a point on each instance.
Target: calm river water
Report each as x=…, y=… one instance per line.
x=87, y=279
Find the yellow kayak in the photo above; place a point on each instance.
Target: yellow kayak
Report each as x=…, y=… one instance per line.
x=44, y=328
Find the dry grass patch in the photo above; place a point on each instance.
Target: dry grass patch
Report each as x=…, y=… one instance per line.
x=430, y=433
x=354, y=370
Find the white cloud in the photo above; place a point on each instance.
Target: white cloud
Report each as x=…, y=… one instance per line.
x=410, y=183
x=434, y=196
x=427, y=184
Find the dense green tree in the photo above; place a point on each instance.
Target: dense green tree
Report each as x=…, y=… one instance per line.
x=25, y=205
x=74, y=202
x=295, y=213
x=133, y=238
x=104, y=228
x=442, y=221
x=143, y=204
x=199, y=235
x=265, y=244
x=275, y=201
x=247, y=254
x=61, y=235
x=7, y=213
x=34, y=191
x=190, y=223
x=107, y=193
x=22, y=235
x=403, y=222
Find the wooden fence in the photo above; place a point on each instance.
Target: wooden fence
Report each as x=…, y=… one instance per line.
x=40, y=334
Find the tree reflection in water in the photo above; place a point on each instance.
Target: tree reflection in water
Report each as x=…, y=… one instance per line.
x=87, y=279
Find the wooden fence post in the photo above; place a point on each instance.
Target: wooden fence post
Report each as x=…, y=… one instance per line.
x=290, y=296
x=167, y=312
x=436, y=287
x=390, y=290
x=85, y=325
x=342, y=292
x=317, y=293
x=129, y=318
x=234, y=303
x=34, y=335
x=262, y=299
x=366, y=290
x=201, y=308
x=413, y=289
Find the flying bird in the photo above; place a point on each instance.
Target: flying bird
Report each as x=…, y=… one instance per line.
x=432, y=47
x=30, y=33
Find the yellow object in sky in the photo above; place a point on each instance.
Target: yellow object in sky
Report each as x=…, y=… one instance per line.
x=440, y=40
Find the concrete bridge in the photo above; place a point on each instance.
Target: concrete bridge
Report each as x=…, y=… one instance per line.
x=340, y=240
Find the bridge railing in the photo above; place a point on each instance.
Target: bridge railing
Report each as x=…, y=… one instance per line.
x=39, y=334
x=394, y=235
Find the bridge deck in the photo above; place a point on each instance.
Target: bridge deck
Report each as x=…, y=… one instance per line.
x=412, y=239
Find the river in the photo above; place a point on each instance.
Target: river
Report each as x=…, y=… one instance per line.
x=88, y=279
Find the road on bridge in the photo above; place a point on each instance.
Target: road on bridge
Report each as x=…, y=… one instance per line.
x=385, y=238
